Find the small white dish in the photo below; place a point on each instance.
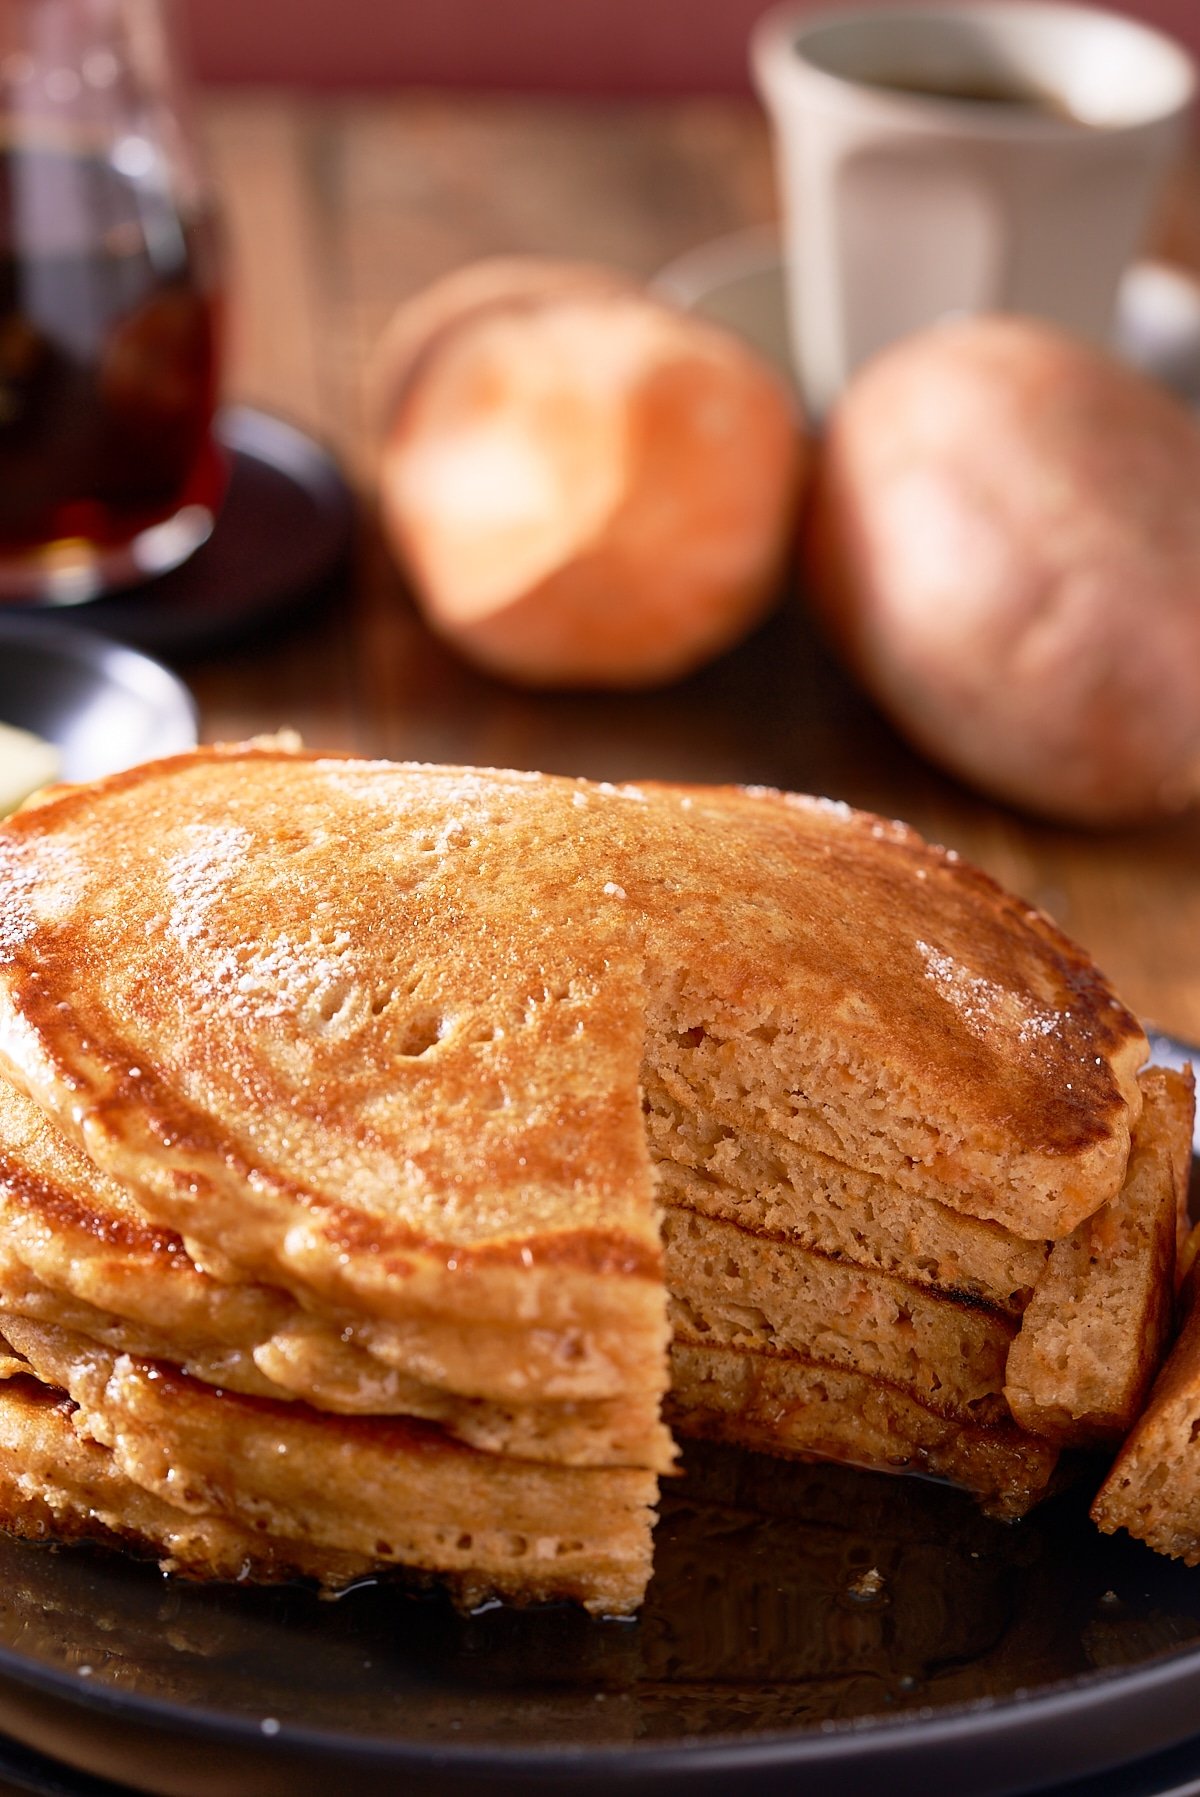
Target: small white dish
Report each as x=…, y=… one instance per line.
x=104, y=706
x=737, y=281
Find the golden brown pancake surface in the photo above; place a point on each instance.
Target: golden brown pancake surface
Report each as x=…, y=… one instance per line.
x=399, y=1011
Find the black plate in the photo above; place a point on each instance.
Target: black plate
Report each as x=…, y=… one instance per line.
x=753, y=1657
x=986, y=1658
x=102, y=704
x=280, y=540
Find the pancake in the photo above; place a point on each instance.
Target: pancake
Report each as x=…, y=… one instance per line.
x=360, y=1087
x=437, y=1060
x=763, y=1182
x=76, y=1250
x=394, y=1099
x=1153, y=1487
x=730, y=1288
x=363, y=1491
x=798, y=1409
x=1094, y=1334
x=56, y=1485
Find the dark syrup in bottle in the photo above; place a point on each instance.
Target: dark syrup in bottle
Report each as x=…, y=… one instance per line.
x=107, y=352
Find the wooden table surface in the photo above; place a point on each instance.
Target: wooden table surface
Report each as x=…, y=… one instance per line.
x=339, y=209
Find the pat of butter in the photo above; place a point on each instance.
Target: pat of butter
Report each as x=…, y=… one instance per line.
x=26, y=762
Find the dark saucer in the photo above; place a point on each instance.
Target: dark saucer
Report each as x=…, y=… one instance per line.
x=282, y=537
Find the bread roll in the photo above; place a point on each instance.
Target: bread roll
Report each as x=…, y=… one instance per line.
x=585, y=487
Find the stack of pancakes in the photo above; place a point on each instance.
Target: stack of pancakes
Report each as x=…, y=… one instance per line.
x=379, y=1142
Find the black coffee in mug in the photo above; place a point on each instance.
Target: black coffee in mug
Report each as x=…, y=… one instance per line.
x=1000, y=90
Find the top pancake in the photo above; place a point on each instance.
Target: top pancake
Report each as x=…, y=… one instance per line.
x=375, y=1031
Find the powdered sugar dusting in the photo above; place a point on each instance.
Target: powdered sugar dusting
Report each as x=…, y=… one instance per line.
x=625, y=791
x=1042, y=1024
x=832, y=808
x=982, y=1004
x=455, y=807
x=39, y=883
x=197, y=876
x=401, y=786
x=17, y=919
x=281, y=978
x=834, y=811
x=366, y=782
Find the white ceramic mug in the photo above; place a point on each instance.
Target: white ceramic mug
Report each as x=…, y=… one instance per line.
x=961, y=157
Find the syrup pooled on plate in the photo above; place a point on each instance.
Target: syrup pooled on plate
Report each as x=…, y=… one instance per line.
x=785, y=1597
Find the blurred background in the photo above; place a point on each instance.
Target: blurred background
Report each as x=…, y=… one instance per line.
x=574, y=46
x=362, y=150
